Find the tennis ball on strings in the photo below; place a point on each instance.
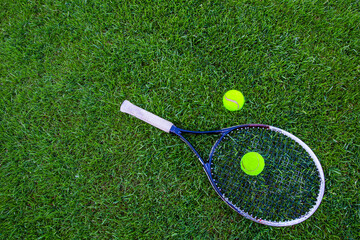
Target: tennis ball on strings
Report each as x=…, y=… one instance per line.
x=233, y=100
x=252, y=163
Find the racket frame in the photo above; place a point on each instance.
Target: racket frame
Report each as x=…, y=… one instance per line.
x=207, y=168
x=169, y=127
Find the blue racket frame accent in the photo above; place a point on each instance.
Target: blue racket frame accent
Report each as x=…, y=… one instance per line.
x=206, y=165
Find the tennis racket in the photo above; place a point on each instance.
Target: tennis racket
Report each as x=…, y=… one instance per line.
x=287, y=191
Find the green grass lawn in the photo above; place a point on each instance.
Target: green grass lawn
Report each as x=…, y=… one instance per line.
x=73, y=166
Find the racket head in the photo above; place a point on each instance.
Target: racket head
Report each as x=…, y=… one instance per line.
x=289, y=189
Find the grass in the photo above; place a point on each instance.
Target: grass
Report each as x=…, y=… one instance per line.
x=73, y=166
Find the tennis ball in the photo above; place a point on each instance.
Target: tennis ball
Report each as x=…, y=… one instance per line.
x=233, y=100
x=252, y=163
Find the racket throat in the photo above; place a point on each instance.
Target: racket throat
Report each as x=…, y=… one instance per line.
x=200, y=142
x=207, y=168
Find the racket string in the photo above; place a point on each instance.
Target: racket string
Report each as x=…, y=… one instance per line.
x=282, y=192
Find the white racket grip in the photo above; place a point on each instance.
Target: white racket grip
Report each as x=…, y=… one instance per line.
x=156, y=121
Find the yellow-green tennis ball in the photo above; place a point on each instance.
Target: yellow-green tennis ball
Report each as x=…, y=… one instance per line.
x=233, y=100
x=252, y=163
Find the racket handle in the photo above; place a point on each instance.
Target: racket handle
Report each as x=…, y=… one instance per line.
x=156, y=121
